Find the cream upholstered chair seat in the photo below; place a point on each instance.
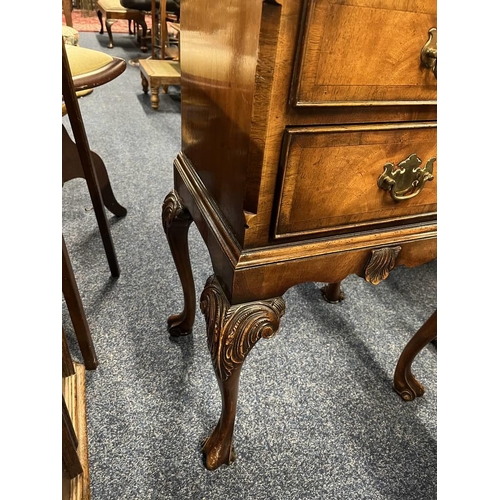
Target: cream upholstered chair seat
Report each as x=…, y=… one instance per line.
x=92, y=68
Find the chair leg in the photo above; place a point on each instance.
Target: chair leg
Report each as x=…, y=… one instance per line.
x=68, y=368
x=405, y=384
x=86, y=160
x=77, y=312
x=144, y=29
x=72, y=169
x=99, y=16
x=67, y=13
x=70, y=457
x=109, y=23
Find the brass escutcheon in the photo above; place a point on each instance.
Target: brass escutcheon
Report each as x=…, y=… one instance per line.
x=406, y=179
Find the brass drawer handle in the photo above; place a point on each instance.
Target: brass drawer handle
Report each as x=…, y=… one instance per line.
x=429, y=52
x=406, y=179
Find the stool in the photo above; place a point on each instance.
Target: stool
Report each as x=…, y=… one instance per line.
x=156, y=73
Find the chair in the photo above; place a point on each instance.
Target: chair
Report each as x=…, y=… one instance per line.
x=114, y=10
x=82, y=70
x=405, y=383
x=85, y=69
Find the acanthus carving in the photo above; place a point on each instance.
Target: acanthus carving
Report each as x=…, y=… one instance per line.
x=173, y=209
x=381, y=263
x=234, y=330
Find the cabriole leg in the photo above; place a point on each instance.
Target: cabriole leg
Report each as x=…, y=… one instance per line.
x=232, y=331
x=405, y=384
x=176, y=221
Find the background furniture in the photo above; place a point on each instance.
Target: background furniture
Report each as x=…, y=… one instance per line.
x=308, y=154
x=156, y=72
x=113, y=11
x=67, y=8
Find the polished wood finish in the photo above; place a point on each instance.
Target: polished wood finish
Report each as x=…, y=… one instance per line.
x=68, y=368
x=156, y=73
x=75, y=485
x=176, y=221
x=359, y=51
x=104, y=75
x=77, y=312
x=342, y=164
x=71, y=460
x=288, y=121
x=72, y=169
x=232, y=332
x=405, y=383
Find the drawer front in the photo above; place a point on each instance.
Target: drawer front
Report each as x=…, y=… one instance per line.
x=354, y=52
x=355, y=178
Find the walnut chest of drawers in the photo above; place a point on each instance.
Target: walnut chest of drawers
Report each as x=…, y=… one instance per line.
x=308, y=154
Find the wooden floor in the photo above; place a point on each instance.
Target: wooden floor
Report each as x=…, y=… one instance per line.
x=73, y=389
